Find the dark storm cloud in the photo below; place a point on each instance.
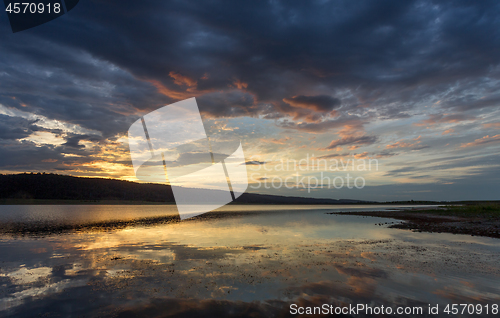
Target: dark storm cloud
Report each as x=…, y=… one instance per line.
x=105, y=60
x=255, y=163
x=73, y=140
x=15, y=127
x=230, y=104
x=27, y=155
x=474, y=102
x=18, y=128
x=66, y=84
x=312, y=66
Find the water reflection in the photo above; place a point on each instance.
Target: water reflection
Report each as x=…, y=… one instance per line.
x=253, y=263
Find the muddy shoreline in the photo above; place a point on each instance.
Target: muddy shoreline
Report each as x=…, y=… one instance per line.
x=418, y=220
x=54, y=228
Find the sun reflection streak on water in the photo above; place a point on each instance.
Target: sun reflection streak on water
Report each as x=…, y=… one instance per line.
x=249, y=257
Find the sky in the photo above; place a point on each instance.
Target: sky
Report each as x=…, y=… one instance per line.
x=414, y=85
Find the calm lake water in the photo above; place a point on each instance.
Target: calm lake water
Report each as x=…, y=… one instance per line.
x=253, y=263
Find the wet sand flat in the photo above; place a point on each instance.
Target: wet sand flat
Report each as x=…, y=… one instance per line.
x=422, y=221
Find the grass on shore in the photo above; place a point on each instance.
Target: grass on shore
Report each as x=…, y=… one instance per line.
x=479, y=210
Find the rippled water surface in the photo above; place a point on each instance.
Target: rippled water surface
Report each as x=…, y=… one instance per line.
x=67, y=214
x=249, y=263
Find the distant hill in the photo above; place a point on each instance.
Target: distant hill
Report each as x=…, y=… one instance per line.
x=42, y=186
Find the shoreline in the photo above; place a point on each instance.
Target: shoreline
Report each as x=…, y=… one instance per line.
x=438, y=221
x=18, y=201
x=480, y=220
x=16, y=228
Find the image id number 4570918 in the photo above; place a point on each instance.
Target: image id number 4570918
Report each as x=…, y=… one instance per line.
x=32, y=7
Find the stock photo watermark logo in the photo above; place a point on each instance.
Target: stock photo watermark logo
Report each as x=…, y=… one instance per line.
x=320, y=173
x=25, y=15
x=171, y=145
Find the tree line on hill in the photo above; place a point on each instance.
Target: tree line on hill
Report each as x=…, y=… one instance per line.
x=47, y=186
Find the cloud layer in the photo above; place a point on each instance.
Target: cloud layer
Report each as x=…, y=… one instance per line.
x=334, y=69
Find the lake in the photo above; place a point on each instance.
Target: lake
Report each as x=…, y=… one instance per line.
x=249, y=260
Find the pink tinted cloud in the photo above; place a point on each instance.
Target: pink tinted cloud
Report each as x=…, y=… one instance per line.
x=404, y=144
x=182, y=80
x=492, y=125
x=436, y=119
x=481, y=141
x=281, y=141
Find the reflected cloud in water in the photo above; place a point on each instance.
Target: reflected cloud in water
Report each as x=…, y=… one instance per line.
x=256, y=263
